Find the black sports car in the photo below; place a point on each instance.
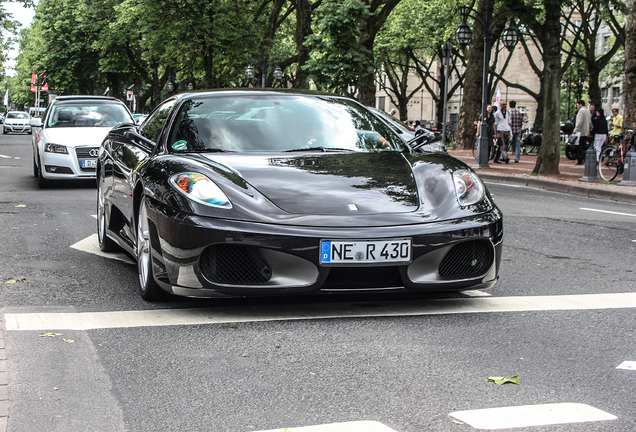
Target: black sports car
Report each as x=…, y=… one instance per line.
x=271, y=192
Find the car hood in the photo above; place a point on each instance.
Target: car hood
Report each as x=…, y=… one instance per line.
x=330, y=184
x=76, y=136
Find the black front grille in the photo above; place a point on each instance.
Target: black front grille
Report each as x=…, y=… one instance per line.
x=352, y=278
x=85, y=153
x=234, y=265
x=468, y=259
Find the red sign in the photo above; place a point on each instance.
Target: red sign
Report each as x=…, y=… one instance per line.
x=34, y=79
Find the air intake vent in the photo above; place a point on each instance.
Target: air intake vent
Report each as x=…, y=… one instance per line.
x=234, y=265
x=468, y=259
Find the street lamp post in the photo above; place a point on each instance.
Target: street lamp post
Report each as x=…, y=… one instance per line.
x=463, y=36
x=446, y=52
x=264, y=64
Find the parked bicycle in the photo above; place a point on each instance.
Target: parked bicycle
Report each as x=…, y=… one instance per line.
x=492, y=150
x=611, y=162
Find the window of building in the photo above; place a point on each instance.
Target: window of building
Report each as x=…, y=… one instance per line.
x=616, y=95
x=381, y=102
x=604, y=95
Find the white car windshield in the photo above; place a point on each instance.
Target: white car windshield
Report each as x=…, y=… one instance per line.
x=88, y=115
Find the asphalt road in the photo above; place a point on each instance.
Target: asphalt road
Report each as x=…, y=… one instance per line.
x=408, y=371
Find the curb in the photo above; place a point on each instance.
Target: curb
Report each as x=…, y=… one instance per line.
x=561, y=187
x=4, y=382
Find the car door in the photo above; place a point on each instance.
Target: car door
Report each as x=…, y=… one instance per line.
x=128, y=153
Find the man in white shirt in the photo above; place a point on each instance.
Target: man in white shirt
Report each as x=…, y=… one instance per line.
x=502, y=132
x=582, y=128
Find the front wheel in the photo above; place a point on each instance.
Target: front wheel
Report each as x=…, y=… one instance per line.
x=609, y=164
x=148, y=287
x=106, y=244
x=570, y=152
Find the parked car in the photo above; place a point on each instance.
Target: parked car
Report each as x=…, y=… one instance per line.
x=16, y=121
x=245, y=193
x=67, y=138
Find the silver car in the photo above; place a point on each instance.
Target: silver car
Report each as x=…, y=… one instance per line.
x=16, y=121
x=67, y=139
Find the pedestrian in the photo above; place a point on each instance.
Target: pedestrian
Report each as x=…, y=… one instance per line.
x=616, y=123
x=393, y=112
x=516, y=122
x=592, y=111
x=417, y=126
x=582, y=126
x=599, y=131
x=502, y=133
x=490, y=123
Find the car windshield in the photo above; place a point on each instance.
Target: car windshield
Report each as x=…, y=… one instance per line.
x=17, y=115
x=88, y=115
x=275, y=123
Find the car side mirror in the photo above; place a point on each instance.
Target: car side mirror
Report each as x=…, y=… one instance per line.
x=35, y=122
x=138, y=139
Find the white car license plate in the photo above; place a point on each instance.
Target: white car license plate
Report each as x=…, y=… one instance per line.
x=353, y=252
x=89, y=163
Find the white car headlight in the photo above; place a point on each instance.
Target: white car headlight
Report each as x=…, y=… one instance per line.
x=468, y=187
x=201, y=189
x=55, y=148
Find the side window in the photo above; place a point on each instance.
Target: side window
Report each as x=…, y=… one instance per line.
x=154, y=124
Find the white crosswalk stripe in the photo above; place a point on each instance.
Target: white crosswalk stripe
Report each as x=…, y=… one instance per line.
x=283, y=312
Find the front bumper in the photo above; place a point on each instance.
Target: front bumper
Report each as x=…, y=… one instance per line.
x=8, y=127
x=204, y=257
x=78, y=163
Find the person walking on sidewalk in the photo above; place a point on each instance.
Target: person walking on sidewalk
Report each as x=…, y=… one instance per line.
x=502, y=132
x=599, y=130
x=582, y=130
x=516, y=122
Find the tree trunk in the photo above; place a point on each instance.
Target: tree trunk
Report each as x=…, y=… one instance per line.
x=471, y=102
x=594, y=88
x=303, y=29
x=549, y=154
x=629, y=87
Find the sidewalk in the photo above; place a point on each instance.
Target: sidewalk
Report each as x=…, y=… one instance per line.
x=567, y=182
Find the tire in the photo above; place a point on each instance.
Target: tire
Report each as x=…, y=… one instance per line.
x=4, y=131
x=35, y=167
x=570, y=153
x=609, y=163
x=106, y=244
x=148, y=287
x=42, y=182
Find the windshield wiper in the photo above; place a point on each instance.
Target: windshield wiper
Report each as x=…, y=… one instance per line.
x=319, y=148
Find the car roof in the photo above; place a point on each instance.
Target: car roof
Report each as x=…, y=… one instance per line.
x=91, y=99
x=263, y=91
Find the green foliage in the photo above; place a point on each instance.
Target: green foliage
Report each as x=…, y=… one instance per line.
x=338, y=59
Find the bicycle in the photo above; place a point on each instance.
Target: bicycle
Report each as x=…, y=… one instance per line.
x=611, y=161
x=492, y=151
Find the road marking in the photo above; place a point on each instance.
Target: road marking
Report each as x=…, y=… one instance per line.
x=531, y=415
x=91, y=245
x=6, y=157
x=476, y=293
x=358, y=426
x=609, y=212
x=289, y=312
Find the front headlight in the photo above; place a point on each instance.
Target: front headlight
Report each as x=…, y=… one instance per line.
x=55, y=148
x=468, y=187
x=201, y=189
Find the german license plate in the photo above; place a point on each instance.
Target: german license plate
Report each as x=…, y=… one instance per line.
x=395, y=251
x=89, y=163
